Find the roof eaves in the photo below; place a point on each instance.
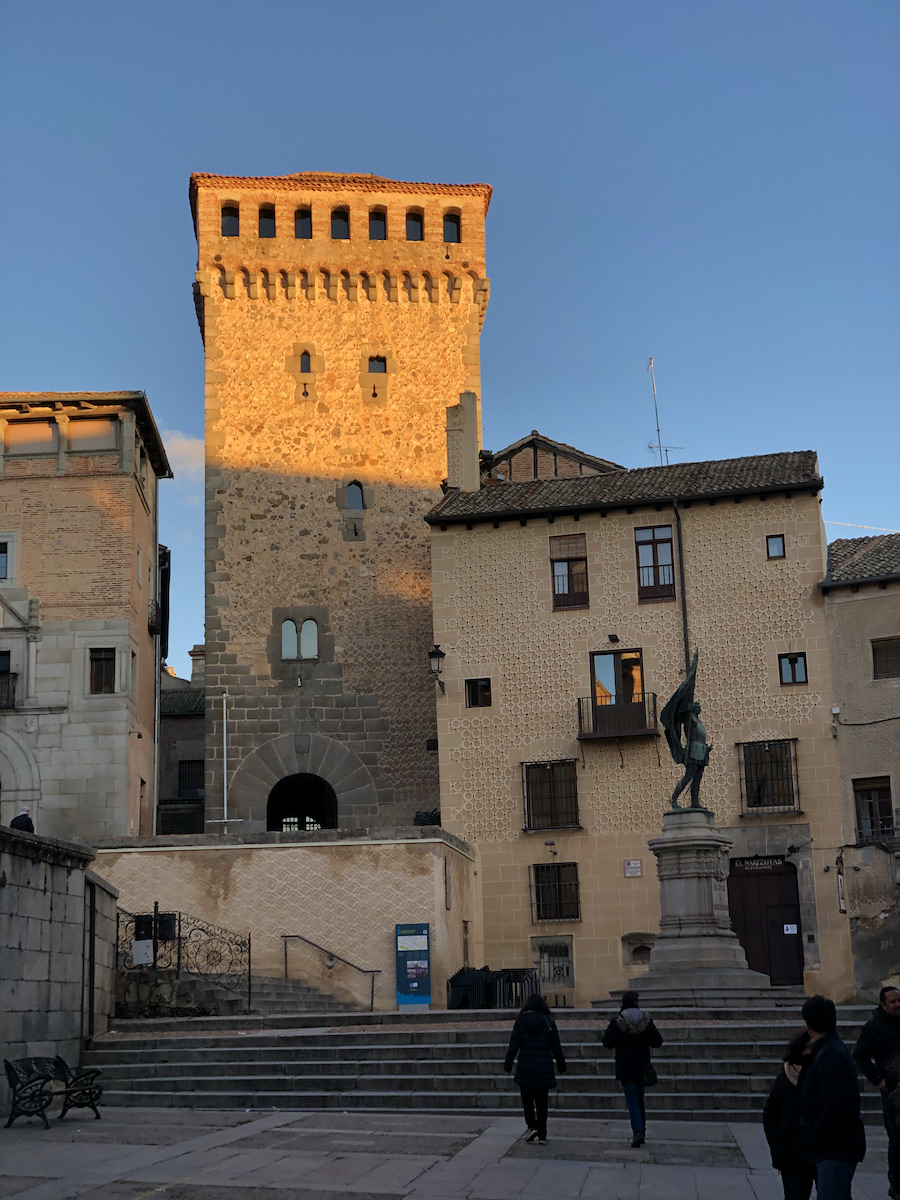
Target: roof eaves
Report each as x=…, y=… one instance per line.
x=829, y=585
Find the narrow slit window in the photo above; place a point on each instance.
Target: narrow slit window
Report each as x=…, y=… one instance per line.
x=452, y=231
x=303, y=223
x=415, y=227
x=305, y=363
x=288, y=641
x=309, y=640
x=340, y=225
x=377, y=226
x=377, y=365
x=4, y=560
x=267, y=222
x=231, y=220
x=355, y=496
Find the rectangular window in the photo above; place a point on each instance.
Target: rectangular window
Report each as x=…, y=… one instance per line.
x=4, y=662
x=555, y=892
x=103, y=670
x=4, y=560
x=874, y=814
x=792, y=668
x=655, y=565
x=886, y=658
x=32, y=437
x=377, y=226
x=551, y=794
x=769, y=775
x=190, y=778
x=568, y=563
x=7, y=682
x=303, y=223
x=775, y=545
x=478, y=693
x=93, y=434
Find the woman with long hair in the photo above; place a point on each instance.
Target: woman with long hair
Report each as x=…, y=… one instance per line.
x=633, y=1035
x=535, y=1039
x=781, y=1121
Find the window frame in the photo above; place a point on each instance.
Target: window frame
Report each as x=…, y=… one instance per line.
x=547, y=884
x=550, y=795
x=231, y=212
x=880, y=823
x=454, y=218
x=102, y=670
x=378, y=213
x=188, y=787
x=305, y=624
x=771, y=537
x=337, y=214
x=792, y=661
x=762, y=774
x=476, y=692
x=301, y=215
x=416, y=216
x=290, y=637
x=266, y=212
x=887, y=650
x=381, y=368
x=657, y=590
x=563, y=549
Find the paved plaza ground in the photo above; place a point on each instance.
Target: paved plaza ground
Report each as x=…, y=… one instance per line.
x=185, y=1154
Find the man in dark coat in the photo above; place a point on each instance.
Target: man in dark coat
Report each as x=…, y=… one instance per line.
x=781, y=1122
x=831, y=1127
x=632, y=1035
x=877, y=1054
x=22, y=821
x=535, y=1040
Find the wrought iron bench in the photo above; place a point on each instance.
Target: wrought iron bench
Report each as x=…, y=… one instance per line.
x=32, y=1079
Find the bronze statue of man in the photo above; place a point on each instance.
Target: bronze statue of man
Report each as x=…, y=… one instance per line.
x=681, y=719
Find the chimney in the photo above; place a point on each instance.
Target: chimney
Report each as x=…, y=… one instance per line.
x=198, y=666
x=462, y=444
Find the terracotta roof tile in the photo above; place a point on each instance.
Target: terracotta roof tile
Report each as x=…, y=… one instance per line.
x=862, y=560
x=331, y=181
x=645, y=485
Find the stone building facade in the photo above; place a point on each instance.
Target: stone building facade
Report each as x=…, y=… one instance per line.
x=341, y=315
x=862, y=610
x=79, y=610
x=568, y=609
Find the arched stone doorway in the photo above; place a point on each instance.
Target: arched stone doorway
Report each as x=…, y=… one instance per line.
x=299, y=803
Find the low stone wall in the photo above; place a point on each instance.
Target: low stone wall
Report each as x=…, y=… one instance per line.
x=57, y=948
x=344, y=891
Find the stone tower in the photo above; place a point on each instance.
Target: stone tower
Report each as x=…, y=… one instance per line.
x=341, y=316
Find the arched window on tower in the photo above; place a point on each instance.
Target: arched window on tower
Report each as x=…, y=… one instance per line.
x=309, y=639
x=231, y=220
x=452, y=231
x=355, y=496
x=288, y=641
x=415, y=227
x=340, y=224
x=377, y=365
x=267, y=221
x=304, y=363
x=303, y=223
x=377, y=225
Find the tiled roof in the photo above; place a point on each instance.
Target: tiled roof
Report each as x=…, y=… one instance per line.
x=791, y=470
x=137, y=401
x=331, y=181
x=602, y=464
x=862, y=560
x=182, y=702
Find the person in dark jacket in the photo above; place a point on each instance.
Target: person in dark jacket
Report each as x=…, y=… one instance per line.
x=781, y=1122
x=831, y=1128
x=877, y=1054
x=22, y=820
x=536, y=1041
x=633, y=1035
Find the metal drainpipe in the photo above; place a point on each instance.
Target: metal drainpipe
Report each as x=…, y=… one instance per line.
x=684, y=618
x=157, y=660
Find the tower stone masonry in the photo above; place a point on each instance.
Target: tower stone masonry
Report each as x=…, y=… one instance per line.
x=341, y=316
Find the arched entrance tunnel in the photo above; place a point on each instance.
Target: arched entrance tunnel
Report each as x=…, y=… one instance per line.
x=301, y=802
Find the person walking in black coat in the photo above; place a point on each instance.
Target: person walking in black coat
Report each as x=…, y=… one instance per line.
x=535, y=1039
x=877, y=1054
x=831, y=1127
x=633, y=1035
x=781, y=1122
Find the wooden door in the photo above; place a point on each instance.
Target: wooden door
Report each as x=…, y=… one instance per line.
x=764, y=903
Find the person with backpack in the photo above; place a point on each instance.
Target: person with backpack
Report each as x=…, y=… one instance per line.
x=633, y=1035
x=535, y=1039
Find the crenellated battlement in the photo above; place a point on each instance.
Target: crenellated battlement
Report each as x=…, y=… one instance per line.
x=320, y=283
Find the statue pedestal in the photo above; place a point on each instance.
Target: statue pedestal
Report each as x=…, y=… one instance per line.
x=696, y=948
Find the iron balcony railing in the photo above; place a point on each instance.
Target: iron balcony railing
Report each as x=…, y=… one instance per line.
x=8, y=689
x=615, y=718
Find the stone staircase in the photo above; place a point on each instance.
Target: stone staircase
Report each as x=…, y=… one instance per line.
x=714, y=1066
x=270, y=995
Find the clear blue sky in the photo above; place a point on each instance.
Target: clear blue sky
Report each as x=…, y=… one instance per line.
x=711, y=183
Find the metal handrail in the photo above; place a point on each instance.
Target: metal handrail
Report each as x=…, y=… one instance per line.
x=371, y=971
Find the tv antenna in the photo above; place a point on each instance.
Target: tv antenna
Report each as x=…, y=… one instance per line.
x=657, y=447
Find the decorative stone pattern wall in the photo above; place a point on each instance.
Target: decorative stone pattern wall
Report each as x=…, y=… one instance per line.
x=344, y=893
x=494, y=618
x=44, y=948
x=282, y=446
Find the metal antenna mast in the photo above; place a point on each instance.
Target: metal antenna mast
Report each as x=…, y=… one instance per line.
x=656, y=411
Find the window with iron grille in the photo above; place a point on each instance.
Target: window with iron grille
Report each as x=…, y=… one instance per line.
x=478, y=693
x=190, y=778
x=568, y=564
x=874, y=814
x=769, y=775
x=792, y=668
x=554, y=892
x=103, y=670
x=886, y=658
x=655, y=565
x=551, y=794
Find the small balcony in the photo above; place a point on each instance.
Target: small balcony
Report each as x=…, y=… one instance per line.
x=154, y=617
x=8, y=689
x=614, y=718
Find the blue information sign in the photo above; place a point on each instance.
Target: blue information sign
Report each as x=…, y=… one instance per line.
x=413, y=965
